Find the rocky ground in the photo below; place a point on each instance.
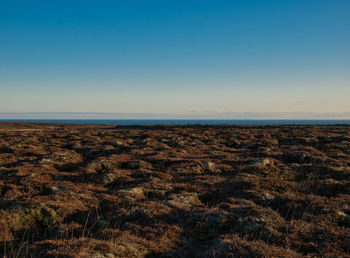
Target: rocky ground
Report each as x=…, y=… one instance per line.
x=174, y=191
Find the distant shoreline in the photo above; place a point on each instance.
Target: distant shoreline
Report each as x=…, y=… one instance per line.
x=182, y=122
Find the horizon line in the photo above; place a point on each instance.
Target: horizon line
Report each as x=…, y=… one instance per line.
x=169, y=116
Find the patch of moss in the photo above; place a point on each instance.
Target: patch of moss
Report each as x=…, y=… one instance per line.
x=39, y=216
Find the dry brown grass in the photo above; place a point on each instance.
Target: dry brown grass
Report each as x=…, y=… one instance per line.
x=220, y=191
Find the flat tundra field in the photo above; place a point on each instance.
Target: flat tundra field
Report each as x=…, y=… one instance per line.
x=174, y=191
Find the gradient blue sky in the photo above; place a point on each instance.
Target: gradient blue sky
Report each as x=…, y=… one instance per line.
x=176, y=57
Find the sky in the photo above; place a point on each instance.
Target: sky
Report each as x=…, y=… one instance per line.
x=265, y=58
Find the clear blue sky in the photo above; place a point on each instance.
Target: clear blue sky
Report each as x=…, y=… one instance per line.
x=176, y=57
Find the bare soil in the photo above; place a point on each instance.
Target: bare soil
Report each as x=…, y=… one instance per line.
x=174, y=191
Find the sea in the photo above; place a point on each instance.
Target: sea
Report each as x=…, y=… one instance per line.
x=130, y=122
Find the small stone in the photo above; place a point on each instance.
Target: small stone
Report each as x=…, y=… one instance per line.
x=294, y=166
x=210, y=166
x=44, y=161
x=108, y=178
x=31, y=175
x=262, y=162
x=118, y=143
x=343, y=219
x=267, y=196
x=54, y=188
x=75, y=146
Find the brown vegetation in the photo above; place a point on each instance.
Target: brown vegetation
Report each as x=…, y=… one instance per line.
x=174, y=191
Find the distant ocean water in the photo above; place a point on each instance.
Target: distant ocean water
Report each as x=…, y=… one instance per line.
x=181, y=122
